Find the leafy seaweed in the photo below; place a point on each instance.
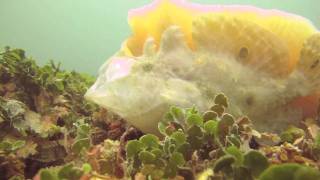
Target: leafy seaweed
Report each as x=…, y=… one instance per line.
x=49, y=131
x=82, y=139
x=66, y=172
x=290, y=171
x=213, y=141
x=39, y=108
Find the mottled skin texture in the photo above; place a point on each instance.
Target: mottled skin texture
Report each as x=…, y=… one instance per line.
x=251, y=56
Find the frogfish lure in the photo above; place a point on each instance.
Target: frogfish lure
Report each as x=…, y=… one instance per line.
x=267, y=62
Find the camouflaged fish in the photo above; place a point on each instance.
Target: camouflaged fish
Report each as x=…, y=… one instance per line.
x=180, y=53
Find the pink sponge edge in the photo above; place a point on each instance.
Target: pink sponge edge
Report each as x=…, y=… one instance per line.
x=214, y=8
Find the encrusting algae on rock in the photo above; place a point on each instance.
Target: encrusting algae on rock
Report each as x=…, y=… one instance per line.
x=182, y=54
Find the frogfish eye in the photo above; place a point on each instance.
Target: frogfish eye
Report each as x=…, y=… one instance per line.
x=243, y=53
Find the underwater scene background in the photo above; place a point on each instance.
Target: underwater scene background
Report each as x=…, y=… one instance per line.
x=193, y=92
x=83, y=34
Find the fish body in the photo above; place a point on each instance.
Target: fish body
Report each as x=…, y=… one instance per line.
x=182, y=54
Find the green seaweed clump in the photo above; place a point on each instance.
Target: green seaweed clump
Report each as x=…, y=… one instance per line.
x=42, y=112
x=212, y=144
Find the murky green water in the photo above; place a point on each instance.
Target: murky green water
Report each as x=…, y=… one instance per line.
x=82, y=34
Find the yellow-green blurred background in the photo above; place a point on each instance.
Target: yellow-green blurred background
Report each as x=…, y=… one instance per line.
x=82, y=34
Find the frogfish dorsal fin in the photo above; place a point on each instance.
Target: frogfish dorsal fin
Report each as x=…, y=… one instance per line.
x=243, y=40
x=153, y=19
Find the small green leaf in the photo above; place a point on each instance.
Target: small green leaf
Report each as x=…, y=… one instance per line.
x=234, y=140
x=221, y=99
x=18, y=144
x=84, y=128
x=150, y=141
x=157, y=174
x=172, y=148
x=81, y=144
x=65, y=171
x=209, y=115
x=166, y=145
x=170, y=171
x=228, y=119
x=157, y=153
x=177, y=158
x=5, y=146
x=83, y=131
x=223, y=162
x=192, y=110
x=256, y=162
x=195, y=131
x=179, y=137
x=184, y=149
x=291, y=134
x=177, y=113
x=169, y=130
x=168, y=117
x=225, y=124
x=133, y=147
x=194, y=119
x=234, y=151
x=82, y=140
x=70, y=172
x=162, y=128
x=290, y=171
x=47, y=174
x=153, y=171
x=147, y=169
x=147, y=157
x=307, y=173
x=219, y=109
x=86, y=168
x=211, y=127
x=160, y=163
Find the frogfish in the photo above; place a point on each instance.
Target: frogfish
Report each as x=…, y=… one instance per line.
x=267, y=62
